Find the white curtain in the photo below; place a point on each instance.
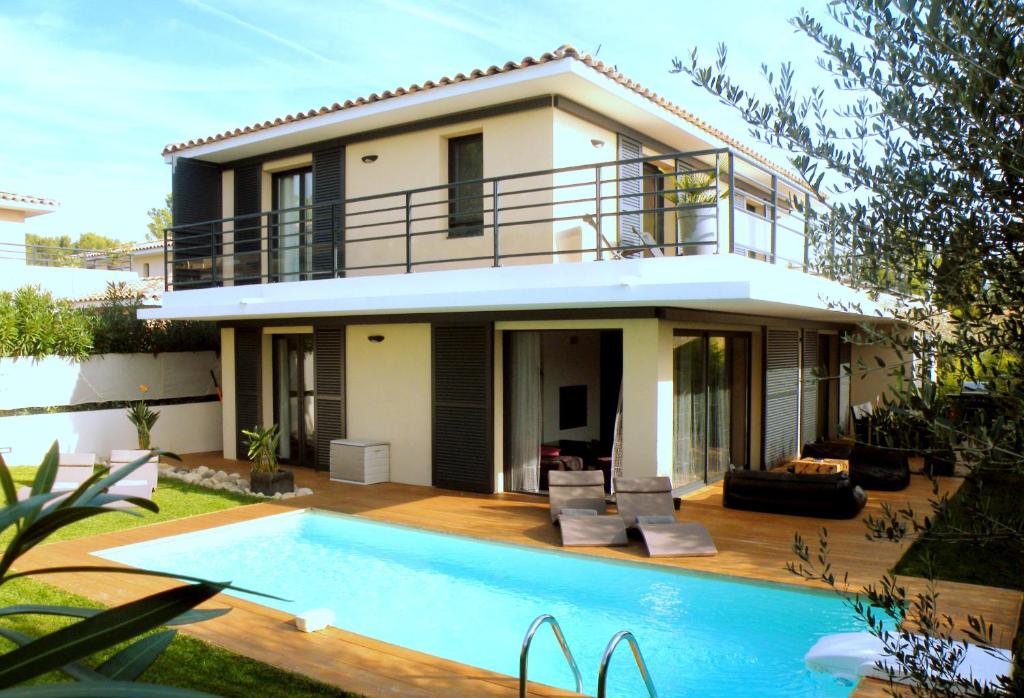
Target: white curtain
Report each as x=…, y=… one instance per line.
x=617, y=440
x=526, y=403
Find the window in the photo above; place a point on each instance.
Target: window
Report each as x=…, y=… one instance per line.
x=465, y=201
x=291, y=248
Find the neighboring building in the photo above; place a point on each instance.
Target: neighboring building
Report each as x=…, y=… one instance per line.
x=144, y=258
x=15, y=269
x=539, y=252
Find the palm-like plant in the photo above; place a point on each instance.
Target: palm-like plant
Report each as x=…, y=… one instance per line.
x=262, y=443
x=144, y=418
x=36, y=517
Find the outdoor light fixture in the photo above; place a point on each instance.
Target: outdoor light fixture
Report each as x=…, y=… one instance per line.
x=369, y=158
x=597, y=142
x=376, y=338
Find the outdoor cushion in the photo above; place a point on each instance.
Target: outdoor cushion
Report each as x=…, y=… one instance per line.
x=822, y=496
x=592, y=530
x=575, y=489
x=643, y=496
x=641, y=520
x=871, y=467
x=577, y=512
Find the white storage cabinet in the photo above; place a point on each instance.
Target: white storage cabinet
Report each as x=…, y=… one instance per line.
x=359, y=461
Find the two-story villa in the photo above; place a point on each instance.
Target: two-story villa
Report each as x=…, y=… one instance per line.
x=538, y=253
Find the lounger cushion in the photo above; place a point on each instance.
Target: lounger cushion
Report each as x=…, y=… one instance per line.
x=577, y=512
x=592, y=530
x=577, y=489
x=677, y=540
x=643, y=496
x=661, y=519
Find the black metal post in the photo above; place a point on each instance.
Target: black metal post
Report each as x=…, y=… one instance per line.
x=494, y=221
x=167, y=275
x=408, y=232
x=597, y=213
x=775, y=211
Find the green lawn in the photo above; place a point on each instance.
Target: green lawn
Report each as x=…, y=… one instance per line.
x=188, y=662
x=998, y=563
x=176, y=499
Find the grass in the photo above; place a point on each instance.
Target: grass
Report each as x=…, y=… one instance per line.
x=176, y=500
x=997, y=563
x=187, y=662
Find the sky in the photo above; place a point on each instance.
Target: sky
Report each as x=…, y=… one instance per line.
x=91, y=91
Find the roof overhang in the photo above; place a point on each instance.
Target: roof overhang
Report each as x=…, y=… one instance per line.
x=564, y=78
x=719, y=283
x=26, y=207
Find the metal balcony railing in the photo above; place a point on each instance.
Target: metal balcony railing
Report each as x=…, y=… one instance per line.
x=676, y=204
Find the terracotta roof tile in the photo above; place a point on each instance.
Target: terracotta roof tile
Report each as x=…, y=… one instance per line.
x=27, y=199
x=562, y=53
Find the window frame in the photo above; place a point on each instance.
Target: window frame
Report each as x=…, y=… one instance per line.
x=463, y=224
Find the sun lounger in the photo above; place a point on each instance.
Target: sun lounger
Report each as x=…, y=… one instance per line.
x=72, y=471
x=645, y=504
x=140, y=483
x=577, y=504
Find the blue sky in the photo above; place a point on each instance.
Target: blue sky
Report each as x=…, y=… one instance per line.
x=90, y=91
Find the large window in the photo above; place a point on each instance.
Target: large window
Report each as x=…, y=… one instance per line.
x=466, y=196
x=291, y=243
x=711, y=381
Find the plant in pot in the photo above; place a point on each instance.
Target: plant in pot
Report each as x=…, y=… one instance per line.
x=143, y=418
x=265, y=477
x=694, y=193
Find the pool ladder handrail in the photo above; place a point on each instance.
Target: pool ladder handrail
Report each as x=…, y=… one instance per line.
x=524, y=653
x=602, y=672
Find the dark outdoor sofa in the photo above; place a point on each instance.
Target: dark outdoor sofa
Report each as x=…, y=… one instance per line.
x=871, y=468
x=821, y=496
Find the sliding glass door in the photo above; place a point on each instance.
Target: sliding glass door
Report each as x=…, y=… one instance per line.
x=291, y=242
x=294, y=411
x=711, y=383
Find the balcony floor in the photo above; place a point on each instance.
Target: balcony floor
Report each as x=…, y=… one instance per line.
x=751, y=545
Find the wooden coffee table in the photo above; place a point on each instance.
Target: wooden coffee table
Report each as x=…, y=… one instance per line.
x=815, y=466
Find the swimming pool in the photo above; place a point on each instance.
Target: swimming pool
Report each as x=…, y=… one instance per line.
x=471, y=601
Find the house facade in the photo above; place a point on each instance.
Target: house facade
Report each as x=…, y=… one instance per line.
x=490, y=270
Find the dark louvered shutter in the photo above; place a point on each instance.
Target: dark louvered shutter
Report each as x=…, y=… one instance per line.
x=196, y=202
x=463, y=429
x=328, y=212
x=782, y=395
x=248, y=224
x=329, y=360
x=844, y=385
x=630, y=196
x=247, y=383
x=809, y=386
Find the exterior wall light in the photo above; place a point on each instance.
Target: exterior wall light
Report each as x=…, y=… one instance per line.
x=597, y=142
x=369, y=158
x=376, y=338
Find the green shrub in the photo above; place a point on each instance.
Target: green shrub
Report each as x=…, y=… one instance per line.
x=33, y=323
x=116, y=328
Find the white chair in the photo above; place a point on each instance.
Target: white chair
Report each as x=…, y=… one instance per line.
x=140, y=483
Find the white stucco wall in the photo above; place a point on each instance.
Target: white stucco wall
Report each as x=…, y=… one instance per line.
x=53, y=381
x=187, y=428
x=388, y=394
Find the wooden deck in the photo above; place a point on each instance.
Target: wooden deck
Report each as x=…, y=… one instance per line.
x=751, y=545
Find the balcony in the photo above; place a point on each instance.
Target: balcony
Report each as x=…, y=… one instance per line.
x=679, y=204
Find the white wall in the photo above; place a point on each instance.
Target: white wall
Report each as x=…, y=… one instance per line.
x=52, y=381
x=187, y=428
x=388, y=396
x=564, y=364
x=62, y=282
x=872, y=382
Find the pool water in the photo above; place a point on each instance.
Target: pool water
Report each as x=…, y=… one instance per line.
x=471, y=601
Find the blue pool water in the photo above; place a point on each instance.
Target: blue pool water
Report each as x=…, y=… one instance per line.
x=471, y=601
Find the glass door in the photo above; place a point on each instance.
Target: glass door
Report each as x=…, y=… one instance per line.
x=293, y=398
x=711, y=380
x=291, y=242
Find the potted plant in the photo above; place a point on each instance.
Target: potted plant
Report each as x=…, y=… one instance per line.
x=265, y=477
x=140, y=415
x=695, y=192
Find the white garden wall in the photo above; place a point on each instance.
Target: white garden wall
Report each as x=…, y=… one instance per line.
x=185, y=428
x=53, y=381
